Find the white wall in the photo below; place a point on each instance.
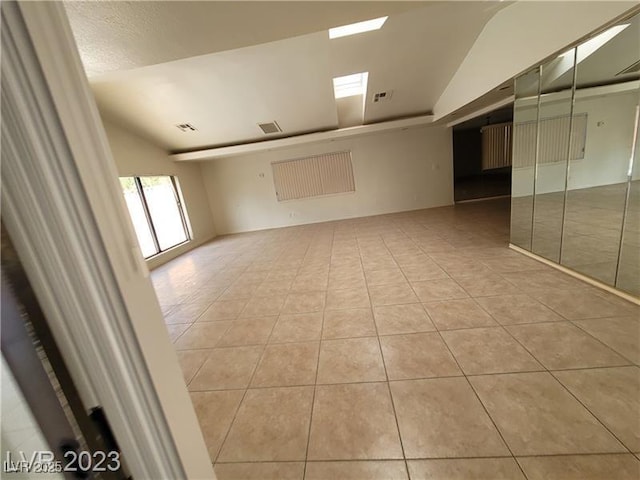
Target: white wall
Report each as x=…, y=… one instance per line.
x=394, y=171
x=610, y=123
x=137, y=156
x=518, y=37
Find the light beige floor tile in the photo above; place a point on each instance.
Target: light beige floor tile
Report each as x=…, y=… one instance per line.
x=282, y=273
x=514, y=309
x=427, y=270
x=297, y=328
x=452, y=314
x=489, y=350
x=304, y=302
x=384, y=277
x=347, y=284
x=613, y=396
x=215, y=411
x=191, y=361
x=378, y=262
x=544, y=278
x=254, y=331
x=441, y=289
x=407, y=318
x=417, y=355
x=350, y=360
x=580, y=303
x=511, y=264
x=348, y=298
x=223, y=310
x=310, y=283
x=237, y=292
x=465, y=469
x=394, y=294
x=562, y=345
x=260, y=471
x=620, y=333
x=272, y=424
x=185, y=313
x=263, y=306
x=202, y=335
x=486, y=285
x=227, y=368
x=177, y=329
x=441, y=417
x=581, y=467
x=537, y=416
x=353, y=422
x=357, y=470
x=287, y=364
x=270, y=288
x=357, y=322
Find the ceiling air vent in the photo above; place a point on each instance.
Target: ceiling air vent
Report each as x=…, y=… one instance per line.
x=271, y=127
x=382, y=96
x=186, y=127
x=633, y=68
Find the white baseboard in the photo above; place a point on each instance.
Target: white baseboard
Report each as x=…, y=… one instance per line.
x=579, y=276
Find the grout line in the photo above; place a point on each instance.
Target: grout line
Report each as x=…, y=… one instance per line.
x=474, y=391
x=389, y=460
x=399, y=238
x=315, y=383
x=550, y=372
x=386, y=373
x=246, y=389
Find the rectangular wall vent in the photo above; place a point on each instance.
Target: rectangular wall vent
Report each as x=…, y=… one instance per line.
x=270, y=127
x=313, y=176
x=186, y=127
x=633, y=68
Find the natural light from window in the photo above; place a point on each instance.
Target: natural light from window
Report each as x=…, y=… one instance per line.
x=354, y=28
x=350, y=85
x=156, y=212
x=593, y=44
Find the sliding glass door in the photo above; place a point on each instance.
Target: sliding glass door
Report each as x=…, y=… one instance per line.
x=156, y=211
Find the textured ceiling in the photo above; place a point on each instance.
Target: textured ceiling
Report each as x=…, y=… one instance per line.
x=118, y=35
x=225, y=94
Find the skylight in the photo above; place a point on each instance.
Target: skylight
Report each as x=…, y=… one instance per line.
x=593, y=44
x=354, y=28
x=350, y=85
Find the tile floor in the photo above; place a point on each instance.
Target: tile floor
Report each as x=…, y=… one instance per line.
x=413, y=345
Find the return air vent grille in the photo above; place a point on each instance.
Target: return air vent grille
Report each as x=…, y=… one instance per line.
x=270, y=127
x=633, y=68
x=382, y=96
x=186, y=127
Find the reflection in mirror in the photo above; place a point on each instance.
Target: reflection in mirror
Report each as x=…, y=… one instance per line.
x=554, y=123
x=602, y=138
x=628, y=275
x=525, y=125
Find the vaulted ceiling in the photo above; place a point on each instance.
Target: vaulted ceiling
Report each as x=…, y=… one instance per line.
x=224, y=67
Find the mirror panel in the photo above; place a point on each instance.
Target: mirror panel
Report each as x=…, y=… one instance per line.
x=554, y=121
x=576, y=166
x=602, y=140
x=525, y=128
x=628, y=275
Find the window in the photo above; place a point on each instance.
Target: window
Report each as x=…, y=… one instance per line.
x=155, y=207
x=313, y=176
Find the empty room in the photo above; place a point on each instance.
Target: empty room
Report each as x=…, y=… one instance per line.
x=321, y=240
